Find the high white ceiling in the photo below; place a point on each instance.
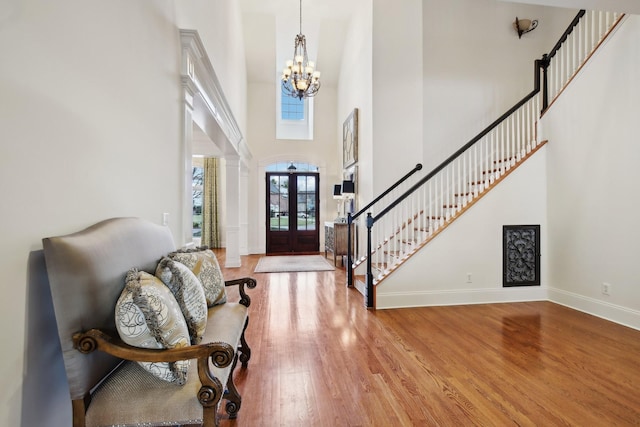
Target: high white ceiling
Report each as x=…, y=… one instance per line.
x=270, y=28
x=622, y=6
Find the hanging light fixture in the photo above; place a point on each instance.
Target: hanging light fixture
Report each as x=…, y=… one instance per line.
x=299, y=78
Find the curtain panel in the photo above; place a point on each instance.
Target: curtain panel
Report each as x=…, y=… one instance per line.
x=210, y=214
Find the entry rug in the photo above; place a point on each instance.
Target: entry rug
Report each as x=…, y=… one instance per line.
x=293, y=263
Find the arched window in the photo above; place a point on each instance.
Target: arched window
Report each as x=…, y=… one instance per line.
x=291, y=167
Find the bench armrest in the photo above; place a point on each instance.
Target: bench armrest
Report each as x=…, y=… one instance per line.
x=221, y=354
x=249, y=282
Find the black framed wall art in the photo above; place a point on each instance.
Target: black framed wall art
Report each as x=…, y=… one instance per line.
x=521, y=255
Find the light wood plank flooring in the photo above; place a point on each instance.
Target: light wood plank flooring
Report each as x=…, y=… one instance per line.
x=320, y=358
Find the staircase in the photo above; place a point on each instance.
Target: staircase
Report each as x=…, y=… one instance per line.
x=414, y=210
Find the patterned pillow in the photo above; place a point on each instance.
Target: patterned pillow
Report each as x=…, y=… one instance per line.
x=187, y=289
x=204, y=264
x=148, y=316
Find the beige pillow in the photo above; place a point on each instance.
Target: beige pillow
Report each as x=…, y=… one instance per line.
x=189, y=294
x=148, y=316
x=204, y=264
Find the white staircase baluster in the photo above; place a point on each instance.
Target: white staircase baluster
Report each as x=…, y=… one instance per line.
x=441, y=199
x=529, y=125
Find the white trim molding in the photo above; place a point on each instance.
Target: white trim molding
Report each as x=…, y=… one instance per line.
x=206, y=106
x=460, y=297
x=615, y=313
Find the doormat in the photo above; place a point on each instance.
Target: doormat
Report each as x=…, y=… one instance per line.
x=293, y=263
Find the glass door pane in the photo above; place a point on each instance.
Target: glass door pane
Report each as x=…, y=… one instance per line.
x=279, y=203
x=306, y=202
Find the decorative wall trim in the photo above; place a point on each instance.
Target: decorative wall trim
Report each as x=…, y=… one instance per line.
x=205, y=104
x=459, y=297
x=603, y=309
x=612, y=312
x=199, y=77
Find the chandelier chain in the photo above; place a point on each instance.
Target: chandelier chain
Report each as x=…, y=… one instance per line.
x=299, y=77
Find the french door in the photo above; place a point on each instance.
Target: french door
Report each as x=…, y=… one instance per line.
x=292, y=212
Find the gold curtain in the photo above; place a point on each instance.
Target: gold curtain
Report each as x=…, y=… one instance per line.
x=210, y=214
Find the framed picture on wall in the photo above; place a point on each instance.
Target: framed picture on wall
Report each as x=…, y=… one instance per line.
x=350, y=139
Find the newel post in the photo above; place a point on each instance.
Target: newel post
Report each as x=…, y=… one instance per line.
x=544, y=64
x=369, y=296
x=349, y=254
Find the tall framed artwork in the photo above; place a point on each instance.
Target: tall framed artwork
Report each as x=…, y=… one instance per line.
x=350, y=140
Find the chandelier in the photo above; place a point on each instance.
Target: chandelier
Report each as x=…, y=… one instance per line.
x=299, y=78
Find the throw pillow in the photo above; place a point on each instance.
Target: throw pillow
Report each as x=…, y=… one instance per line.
x=148, y=316
x=204, y=264
x=189, y=294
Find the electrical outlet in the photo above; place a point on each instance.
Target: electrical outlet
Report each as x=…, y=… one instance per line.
x=606, y=289
x=468, y=277
x=165, y=218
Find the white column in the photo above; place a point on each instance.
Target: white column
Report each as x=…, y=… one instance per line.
x=186, y=227
x=233, y=212
x=244, y=210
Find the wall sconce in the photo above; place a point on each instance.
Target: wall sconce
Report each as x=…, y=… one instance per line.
x=523, y=26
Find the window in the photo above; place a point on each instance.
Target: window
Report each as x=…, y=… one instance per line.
x=291, y=108
x=294, y=117
x=284, y=167
x=198, y=186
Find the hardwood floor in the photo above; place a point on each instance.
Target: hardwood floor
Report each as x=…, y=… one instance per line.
x=320, y=358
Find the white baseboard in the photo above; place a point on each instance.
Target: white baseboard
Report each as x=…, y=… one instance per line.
x=615, y=313
x=460, y=297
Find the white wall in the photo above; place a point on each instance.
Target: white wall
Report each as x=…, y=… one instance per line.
x=90, y=124
x=440, y=73
x=593, y=180
x=355, y=91
x=219, y=24
x=266, y=149
x=476, y=68
x=397, y=98
x=580, y=189
x=437, y=275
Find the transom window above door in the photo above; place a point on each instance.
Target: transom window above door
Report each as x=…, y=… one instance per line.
x=287, y=167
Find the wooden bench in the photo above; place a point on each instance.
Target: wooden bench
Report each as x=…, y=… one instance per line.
x=86, y=273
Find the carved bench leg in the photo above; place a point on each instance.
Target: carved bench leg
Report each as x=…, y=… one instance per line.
x=231, y=393
x=244, y=347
